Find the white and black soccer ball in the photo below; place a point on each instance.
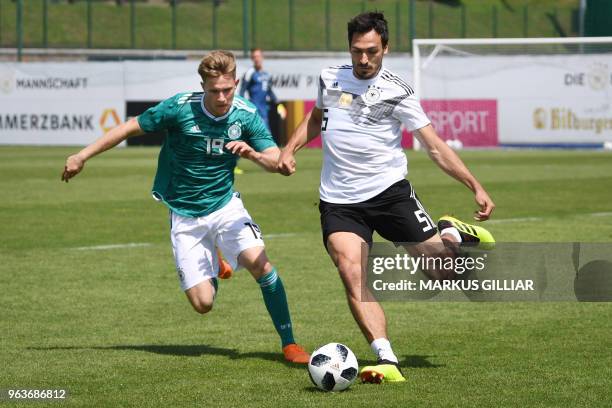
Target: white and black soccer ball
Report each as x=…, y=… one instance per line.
x=333, y=367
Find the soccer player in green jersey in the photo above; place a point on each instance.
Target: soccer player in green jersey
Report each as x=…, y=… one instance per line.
x=207, y=132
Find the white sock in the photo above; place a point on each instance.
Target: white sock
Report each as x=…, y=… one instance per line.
x=453, y=231
x=382, y=348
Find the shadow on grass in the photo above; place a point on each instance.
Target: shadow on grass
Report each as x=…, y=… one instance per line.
x=415, y=361
x=409, y=361
x=182, y=350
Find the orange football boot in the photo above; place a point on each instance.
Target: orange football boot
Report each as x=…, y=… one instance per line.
x=296, y=354
x=225, y=269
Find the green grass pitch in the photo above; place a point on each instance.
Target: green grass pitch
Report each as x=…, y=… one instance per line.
x=112, y=327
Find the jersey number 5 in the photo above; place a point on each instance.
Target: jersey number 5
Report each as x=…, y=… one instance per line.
x=325, y=119
x=423, y=219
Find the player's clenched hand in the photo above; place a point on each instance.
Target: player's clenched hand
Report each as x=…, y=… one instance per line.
x=74, y=165
x=242, y=149
x=286, y=163
x=486, y=205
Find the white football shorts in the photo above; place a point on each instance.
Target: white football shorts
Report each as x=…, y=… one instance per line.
x=231, y=229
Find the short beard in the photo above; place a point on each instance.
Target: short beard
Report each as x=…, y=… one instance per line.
x=365, y=76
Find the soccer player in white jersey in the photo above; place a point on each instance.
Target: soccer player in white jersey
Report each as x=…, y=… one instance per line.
x=207, y=131
x=359, y=111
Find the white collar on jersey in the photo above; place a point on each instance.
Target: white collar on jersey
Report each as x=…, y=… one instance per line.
x=210, y=115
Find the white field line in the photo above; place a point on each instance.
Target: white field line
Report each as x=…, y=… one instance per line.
x=146, y=244
x=504, y=220
x=529, y=219
x=293, y=234
x=601, y=214
x=113, y=246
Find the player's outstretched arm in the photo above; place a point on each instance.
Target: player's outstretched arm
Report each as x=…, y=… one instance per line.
x=307, y=130
x=266, y=158
x=76, y=162
x=448, y=161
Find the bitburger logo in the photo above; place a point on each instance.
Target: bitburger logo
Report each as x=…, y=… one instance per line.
x=539, y=118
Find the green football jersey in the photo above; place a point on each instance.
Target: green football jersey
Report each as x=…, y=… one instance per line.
x=195, y=174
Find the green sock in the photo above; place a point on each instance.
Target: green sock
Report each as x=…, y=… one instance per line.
x=276, y=302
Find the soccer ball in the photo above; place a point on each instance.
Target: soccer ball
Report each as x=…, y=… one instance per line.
x=333, y=367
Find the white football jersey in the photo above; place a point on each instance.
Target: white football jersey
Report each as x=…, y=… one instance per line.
x=361, y=135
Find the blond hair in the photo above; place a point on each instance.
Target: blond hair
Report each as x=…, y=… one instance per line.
x=216, y=64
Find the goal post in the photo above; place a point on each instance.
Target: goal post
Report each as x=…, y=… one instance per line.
x=517, y=92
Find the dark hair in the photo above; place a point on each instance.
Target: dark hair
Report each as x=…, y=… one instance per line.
x=366, y=22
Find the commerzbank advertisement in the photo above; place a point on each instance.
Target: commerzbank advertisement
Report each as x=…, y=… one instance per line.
x=59, y=103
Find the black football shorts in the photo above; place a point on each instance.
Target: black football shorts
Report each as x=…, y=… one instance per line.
x=396, y=214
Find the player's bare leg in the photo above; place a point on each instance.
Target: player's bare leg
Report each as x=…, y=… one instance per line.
x=437, y=246
x=345, y=249
x=453, y=233
x=256, y=261
x=201, y=296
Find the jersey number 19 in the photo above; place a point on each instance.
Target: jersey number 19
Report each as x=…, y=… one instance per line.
x=214, y=146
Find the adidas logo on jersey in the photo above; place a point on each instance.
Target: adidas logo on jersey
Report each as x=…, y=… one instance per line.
x=195, y=128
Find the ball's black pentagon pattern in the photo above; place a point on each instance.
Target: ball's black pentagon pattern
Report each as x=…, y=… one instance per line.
x=349, y=373
x=328, y=382
x=319, y=360
x=342, y=351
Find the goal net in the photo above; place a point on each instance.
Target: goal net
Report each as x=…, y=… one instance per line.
x=524, y=92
